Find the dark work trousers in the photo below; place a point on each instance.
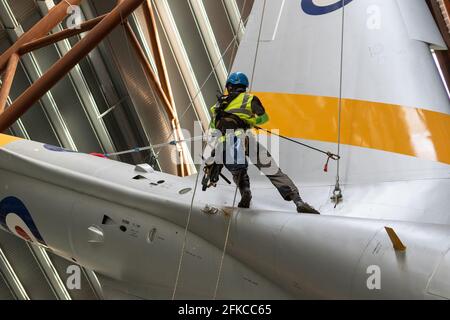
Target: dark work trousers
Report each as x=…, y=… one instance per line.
x=264, y=162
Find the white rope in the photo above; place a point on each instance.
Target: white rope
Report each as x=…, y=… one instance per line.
x=225, y=246
x=236, y=43
x=154, y=146
x=135, y=69
x=211, y=73
x=257, y=45
x=235, y=192
x=341, y=83
x=187, y=108
x=180, y=263
x=184, y=112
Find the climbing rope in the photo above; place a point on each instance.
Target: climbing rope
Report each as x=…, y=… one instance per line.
x=180, y=264
x=225, y=246
x=189, y=106
x=337, y=192
x=327, y=153
x=222, y=57
x=155, y=146
x=236, y=189
x=151, y=89
x=257, y=46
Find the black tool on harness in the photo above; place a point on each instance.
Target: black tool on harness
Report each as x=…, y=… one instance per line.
x=213, y=172
x=223, y=121
x=211, y=176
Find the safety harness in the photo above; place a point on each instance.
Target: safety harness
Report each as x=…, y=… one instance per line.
x=230, y=113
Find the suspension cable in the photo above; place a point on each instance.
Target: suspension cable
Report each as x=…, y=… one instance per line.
x=230, y=45
x=180, y=263
x=337, y=193
x=135, y=70
x=236, y=189
x=227, y=235
x=189, y=106
x=328, y=153
x=236, y=43
x=257, y=45
x=154, y=146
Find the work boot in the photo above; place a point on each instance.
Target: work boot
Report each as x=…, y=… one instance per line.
x=303, y=207
x=246, y=198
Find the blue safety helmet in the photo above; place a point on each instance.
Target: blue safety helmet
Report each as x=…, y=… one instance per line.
x=238, y=78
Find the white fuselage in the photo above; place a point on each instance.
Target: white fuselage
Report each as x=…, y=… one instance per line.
x=91, y=210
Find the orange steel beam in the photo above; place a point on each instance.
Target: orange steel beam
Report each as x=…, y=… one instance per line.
x=157, y=49
x=153, y=79
x=8, y=78
x=447, y=8
x=443, y=56
x=64, y=34
x=54, y=17
x=66, y=63
x=439, y=17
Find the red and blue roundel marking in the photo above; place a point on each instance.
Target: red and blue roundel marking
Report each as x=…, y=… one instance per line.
x=15, y=217
x=313, y=7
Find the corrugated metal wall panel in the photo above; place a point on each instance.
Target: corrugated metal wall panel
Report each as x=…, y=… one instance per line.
x=66, y=99
x=5, y=293
x=23, y=9
x=185, y=110
x=222, y=30
x=3, y=34
x=26, y=268
x=85, y=291
x=195, y=49
x=151, y=113
x=35, y=119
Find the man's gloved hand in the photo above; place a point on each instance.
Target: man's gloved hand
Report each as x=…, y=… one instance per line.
x=259, y=120
x=262, y=119
x=210, y=161
x=212, y=135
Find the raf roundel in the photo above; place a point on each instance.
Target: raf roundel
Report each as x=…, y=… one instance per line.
x=16, y=218
x=321, y=7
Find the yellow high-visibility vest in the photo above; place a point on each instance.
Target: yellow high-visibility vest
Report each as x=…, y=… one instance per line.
x=241, y=106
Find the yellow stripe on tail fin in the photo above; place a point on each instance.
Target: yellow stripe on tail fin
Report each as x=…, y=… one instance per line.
x=5, y=139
